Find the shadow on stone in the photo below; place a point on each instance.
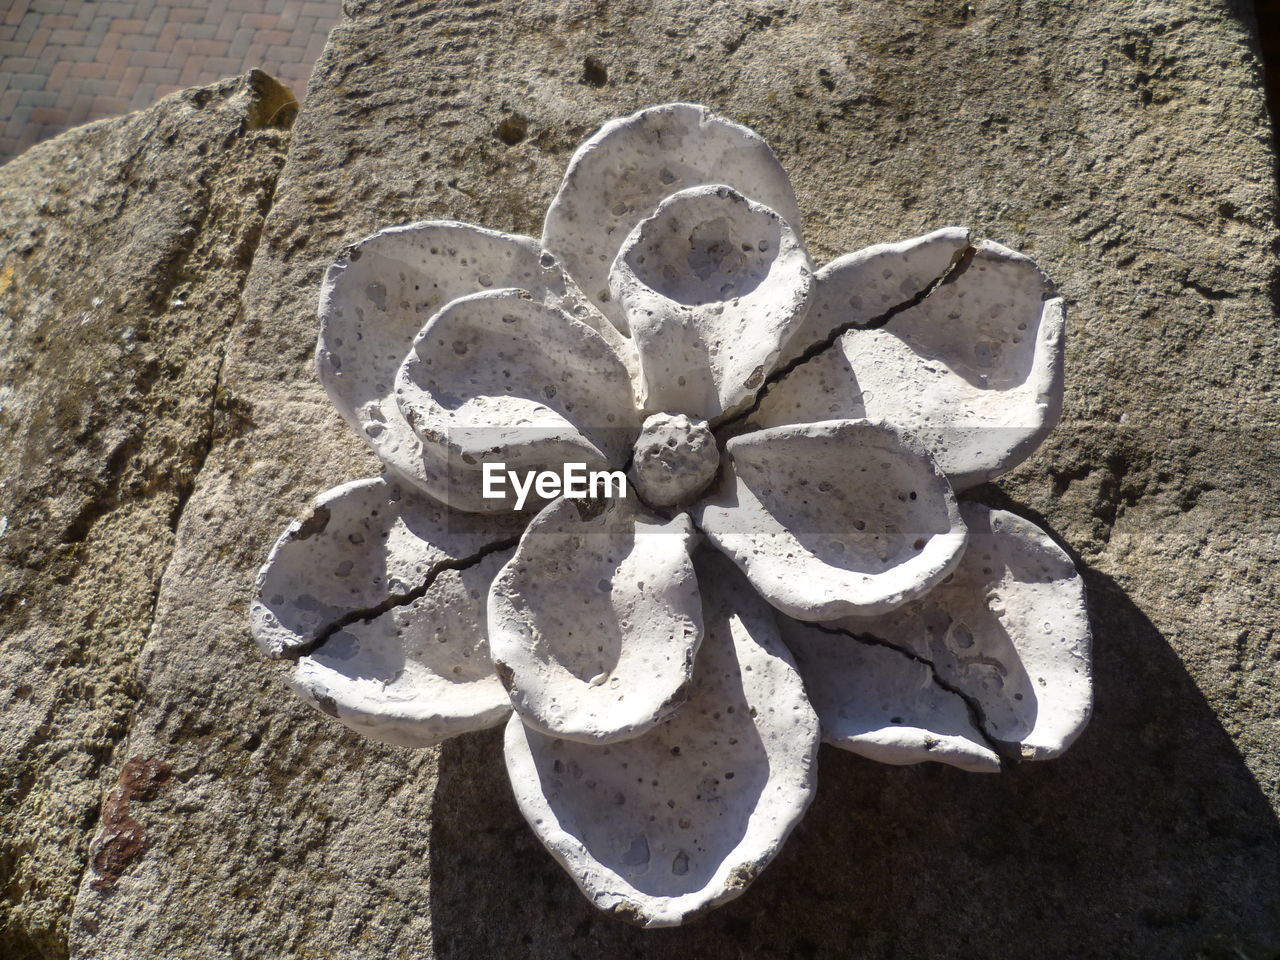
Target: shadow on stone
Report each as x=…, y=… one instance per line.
x=1149, y=838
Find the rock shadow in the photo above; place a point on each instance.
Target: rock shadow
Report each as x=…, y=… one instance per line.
x=1150, y=838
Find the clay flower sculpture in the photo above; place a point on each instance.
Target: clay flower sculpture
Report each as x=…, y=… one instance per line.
x=789, y=561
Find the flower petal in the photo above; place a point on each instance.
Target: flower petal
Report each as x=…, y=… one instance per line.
x=418, y=673
x=360, y=544
x=1009, y=629
x=883, y=703
x=712, y=284
x=501, y=376
x=619, y=176
x=378, y=295
x=861, y=288
x=975, y=368
x=595, y=621
x=828, y=519
x=683, y=818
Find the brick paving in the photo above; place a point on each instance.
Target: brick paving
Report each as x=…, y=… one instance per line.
x=66, y=62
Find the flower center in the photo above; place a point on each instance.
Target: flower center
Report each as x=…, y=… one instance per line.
x=675, y=458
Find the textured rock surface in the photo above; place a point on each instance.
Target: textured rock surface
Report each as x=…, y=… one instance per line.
x=1125, y=148
x=123, y=249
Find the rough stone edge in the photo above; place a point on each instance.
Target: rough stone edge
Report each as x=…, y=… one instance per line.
x=271, y=104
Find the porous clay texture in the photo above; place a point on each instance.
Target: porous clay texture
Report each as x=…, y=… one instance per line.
x=595, y=621
x=675, y=458
x=669, y=824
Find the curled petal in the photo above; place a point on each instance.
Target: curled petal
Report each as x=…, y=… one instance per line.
x=595, y=621
x=377, y=297
x=418, y=673
x=1009, y=630
x=834, y=518
x=882, y=703
x=712, y=284
x=975, y=368
x=619, y=176
x=359, y=545
x=679, y=820
x=503, y=377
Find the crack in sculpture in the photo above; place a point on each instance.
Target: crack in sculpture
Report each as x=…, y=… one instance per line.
x=366, y=614
x=735, y=602
x=976, y=713
x=959, y=264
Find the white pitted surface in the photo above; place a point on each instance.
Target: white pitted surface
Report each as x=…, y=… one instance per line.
x=975, y=369
x=1009, y=629
x=358, y=545
x=619, y=176
x=882, y=704
x=377, y=297
x=682, y=818
x=416, y=674
x=503, y=376
x=712, y=285
x=674, y=459
x=595, y=621
x=831, y=518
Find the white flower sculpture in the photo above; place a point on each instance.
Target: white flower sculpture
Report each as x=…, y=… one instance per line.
x=662, y=720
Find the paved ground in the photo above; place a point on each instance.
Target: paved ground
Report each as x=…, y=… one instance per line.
x=65, y=62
